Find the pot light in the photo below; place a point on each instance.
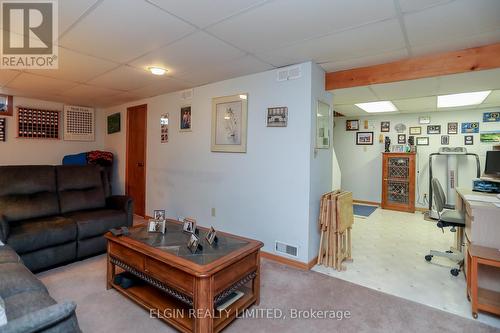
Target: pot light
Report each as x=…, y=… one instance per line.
x=464, y=99
x=157, y=70
x=374, y=107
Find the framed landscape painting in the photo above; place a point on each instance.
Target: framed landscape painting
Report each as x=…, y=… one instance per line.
x=229, y=124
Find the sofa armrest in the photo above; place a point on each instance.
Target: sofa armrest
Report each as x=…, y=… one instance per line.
x=123, y=203
x=44, y=319
x=4, y=229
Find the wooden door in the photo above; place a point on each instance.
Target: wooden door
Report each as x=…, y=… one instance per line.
x=135, y=183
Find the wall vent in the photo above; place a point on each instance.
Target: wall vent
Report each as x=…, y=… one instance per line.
x=186, y=94
x=289, y=73
x=286, y=249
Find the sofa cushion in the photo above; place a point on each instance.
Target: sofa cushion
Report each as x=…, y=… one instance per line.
x=26, y=302
x=37, y=234
x=15, y=278
x=80, y=188
x=97, y=222
x=7, y=255
x=27, y=192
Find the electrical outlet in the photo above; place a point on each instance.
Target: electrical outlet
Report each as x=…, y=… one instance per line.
x=213, y=212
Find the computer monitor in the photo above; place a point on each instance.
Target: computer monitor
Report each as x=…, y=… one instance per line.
x=492, y=163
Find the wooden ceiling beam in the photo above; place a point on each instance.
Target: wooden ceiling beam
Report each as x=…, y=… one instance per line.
x=463, y=61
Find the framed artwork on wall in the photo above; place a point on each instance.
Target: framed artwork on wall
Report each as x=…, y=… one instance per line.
x=468, y=140
x=352, y=125
x=164, y=127
x=185, y=122
x=114, y=123
x=423, y=141
x=323, y=116
x=424, y=120
x=491, y=117
x=452, y=128
x=401, y=139
x=6, y=105
x=417, y=130
x=277, y=117
x=385, y=126
x=229, y=124
x=3, y=130
x=364, y=138
x=470, y=127
x=445, y=139
x=489, y=136
x=433, y=129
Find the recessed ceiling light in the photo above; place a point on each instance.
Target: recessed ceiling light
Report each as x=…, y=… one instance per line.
x=472, y=98
x=374, y=107
x=157, y=70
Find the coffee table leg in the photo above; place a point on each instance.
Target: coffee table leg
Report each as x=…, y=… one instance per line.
x=110, y=275
x=256, y=282
x=204, y=306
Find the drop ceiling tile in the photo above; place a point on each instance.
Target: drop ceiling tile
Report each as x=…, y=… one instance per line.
x=283, y=22
x=457, y=19
x=34, y=84
x=353, y=95
x=412, y=5
x=349, y=44
x=416, y=104
x=90, y=93
x=205, y=12
x=493, y=98
x=346, y=109
x=468, y=82
x=364, y=61
x=71, y=10
x=406, y=89
x=7, y=75
x=126, y=78
x=190, y=52
x=74, y=66
x=122, y=30
x=159, y=88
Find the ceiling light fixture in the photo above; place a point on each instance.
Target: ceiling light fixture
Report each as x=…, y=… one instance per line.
x=464, y=99
x=374, y=107
x=157, y=70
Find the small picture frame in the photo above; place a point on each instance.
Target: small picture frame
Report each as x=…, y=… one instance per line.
x=6, y=105
x=189, y=225
x=364, y=138
x=385, y=126
x=114, y=123
x=452, y=128
x=424, y=120
x=417, y=130
x=422, y=141
x=434, y=129
x=159, y=214
x=468, y=140
x=277, y=117
x=185, y=119
x=211, y=236
x=158, y=226
x=352, y=125
x=402, y=139
x=445, y=140
x=398, y=148
x=193, y=243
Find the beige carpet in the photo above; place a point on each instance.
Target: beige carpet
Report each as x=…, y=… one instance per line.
x=101, y=310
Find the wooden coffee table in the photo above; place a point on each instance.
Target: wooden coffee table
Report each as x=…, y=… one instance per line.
x=182, y=288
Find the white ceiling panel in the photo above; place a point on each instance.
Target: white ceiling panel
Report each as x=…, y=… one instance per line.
x=353, y=95
x=7, y=75
x=163, y=87
x=203, y=13
x=39, y=85
x=282, y=22
x=74, y=66
x=417, y=5
x=126, y=78
x=363, y=61
x=91, y=93
x=406, y=89
x=468, y=82
x=493, y=98
x=123, y=30
x=184, y=55
x=416, y=104
x=343, y=45
x=71, y=10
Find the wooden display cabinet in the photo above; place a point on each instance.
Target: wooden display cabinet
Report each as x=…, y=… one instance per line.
x=398, y=181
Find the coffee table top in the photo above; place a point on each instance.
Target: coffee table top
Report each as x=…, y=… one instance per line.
x=174, y=241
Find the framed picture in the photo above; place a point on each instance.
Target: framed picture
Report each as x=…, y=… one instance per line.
x=445, y=139
x=424, y=120
x=434, y=129
x=489, y=136
x=401, y=139
x=422, y=141
x=185, y=123
x=452, y=128
x=193, y=243
x=189, y=225
x=469, y=140
x=491, y=117
x=385, y=126
x=364, y=138
x=3, y=130
x=398, y=148
x=470, y=128
x=323, y=121
x=159, y=214
x=211, y=236
x=417, y=130
x=157, y=226
x=277, y=117
x=114, y=123
x=6, y=105
x=229, y=124
x=352, y=125
x=164, y=127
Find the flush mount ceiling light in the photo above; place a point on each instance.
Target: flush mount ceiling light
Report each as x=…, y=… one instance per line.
x=374, y=107
x=464, y=99
x=157, y=70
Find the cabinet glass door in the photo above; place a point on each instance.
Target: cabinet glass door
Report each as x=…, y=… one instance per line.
x=398, y=187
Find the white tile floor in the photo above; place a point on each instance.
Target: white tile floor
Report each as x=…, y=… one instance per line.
x=388, y=250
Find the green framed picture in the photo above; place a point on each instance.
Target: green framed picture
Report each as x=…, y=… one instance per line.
x=114, y=121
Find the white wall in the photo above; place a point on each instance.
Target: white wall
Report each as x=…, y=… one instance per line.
x=262, y=194
x=362, y=165
x=34, y=151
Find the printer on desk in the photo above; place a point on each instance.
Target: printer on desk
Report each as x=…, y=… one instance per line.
x=490, y=182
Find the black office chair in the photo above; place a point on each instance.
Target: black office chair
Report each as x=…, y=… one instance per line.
x=448, y=218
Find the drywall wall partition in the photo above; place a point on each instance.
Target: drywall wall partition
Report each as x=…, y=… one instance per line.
x=361, y=166
x=39, y=151
x=263, y=193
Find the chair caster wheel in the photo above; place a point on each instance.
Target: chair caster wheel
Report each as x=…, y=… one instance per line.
x=429, y=257
x=474, y=315
x=455, y=271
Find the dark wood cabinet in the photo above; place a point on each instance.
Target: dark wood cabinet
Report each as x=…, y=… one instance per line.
x=398, y=181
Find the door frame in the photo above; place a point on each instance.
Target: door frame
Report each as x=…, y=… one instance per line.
x=145, y=149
